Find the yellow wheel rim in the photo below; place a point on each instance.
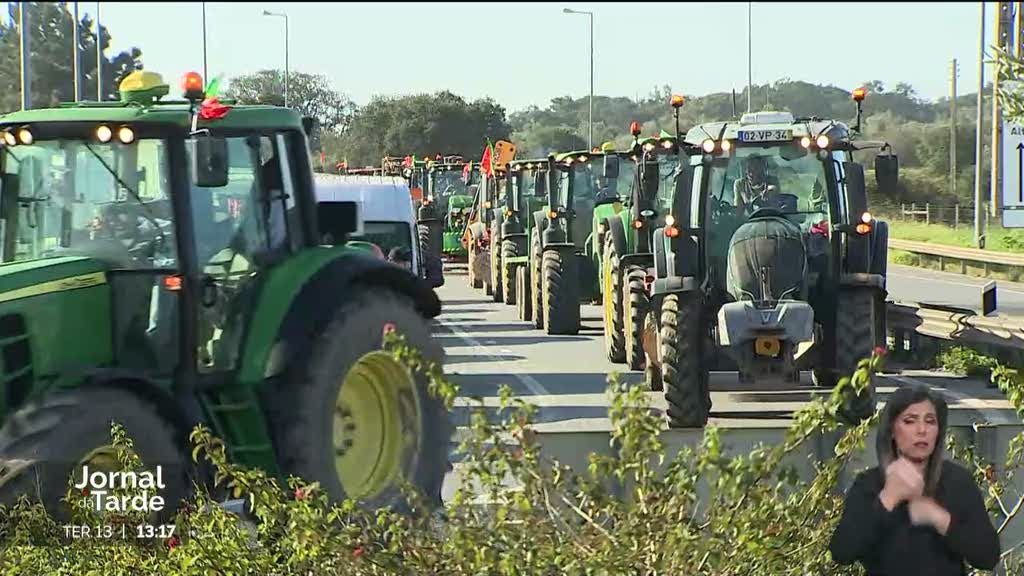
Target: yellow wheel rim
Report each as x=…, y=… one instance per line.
x=609, y=306
x=376, y=425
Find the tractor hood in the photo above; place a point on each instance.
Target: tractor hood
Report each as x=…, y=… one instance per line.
x=460, y=201
x=36, y=277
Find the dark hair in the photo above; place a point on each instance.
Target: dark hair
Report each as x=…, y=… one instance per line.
x=400, y=253
x=895, y=404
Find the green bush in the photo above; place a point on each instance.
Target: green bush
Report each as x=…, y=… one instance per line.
x=636, y=512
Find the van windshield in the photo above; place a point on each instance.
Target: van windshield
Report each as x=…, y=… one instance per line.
x=386, y=235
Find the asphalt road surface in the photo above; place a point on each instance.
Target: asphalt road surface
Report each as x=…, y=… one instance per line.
x=487, y=346
x=909, y=284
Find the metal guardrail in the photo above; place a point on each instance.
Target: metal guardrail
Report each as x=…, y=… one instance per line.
x=958, y=253
x=957, y=324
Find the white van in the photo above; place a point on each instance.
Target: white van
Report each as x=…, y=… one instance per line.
x=386, y=211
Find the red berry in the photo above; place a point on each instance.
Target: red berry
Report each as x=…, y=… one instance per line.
x=358, y=552
x=172, y=542
x=300, y=493
x=880, y=351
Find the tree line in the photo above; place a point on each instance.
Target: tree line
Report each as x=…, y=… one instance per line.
x=446, y=123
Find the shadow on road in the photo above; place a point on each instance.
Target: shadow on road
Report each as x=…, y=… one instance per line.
x=447, y=303
x=487, y=385
x=449, y=339
x=479, y=358
x=495, y=327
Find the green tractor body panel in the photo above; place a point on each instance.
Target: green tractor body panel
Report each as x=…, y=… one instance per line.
x=55, y=319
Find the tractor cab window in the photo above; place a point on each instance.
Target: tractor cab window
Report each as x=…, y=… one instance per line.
x=784, y=177
x=79, y=198
x=669, y=168
x=447, y=183
x=525, y=187
x=240, y=229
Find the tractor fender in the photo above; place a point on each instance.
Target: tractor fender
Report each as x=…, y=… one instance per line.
x=540, y=221
x=618, y=232
x=300, y=297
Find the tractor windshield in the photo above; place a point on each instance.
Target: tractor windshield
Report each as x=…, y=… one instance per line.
x=669, y=166
x=79, y=198
x=448, y=183
x=784, y=177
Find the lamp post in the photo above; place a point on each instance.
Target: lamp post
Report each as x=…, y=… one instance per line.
x=285, y=16
x=205, y=71
x=590, y=139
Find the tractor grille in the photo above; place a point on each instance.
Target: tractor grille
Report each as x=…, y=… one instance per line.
x=16, y=353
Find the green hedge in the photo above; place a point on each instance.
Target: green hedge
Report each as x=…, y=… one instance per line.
x=635, y=513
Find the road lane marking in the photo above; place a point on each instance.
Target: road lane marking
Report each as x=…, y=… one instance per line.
x=980, y=406
x=528, y=381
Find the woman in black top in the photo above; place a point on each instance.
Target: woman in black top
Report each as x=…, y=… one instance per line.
x=916, y=512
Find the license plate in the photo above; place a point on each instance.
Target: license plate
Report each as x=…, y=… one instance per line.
x=765, y=135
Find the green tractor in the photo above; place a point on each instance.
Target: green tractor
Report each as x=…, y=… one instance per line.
x=480, y=236
x=769, y=260
x=626, y=238
x=164, y=265
x=447, y=205
x=584, y=188
x=525, y=206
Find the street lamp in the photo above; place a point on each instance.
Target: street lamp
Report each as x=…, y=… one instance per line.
x=285, y=16
x=590, y=140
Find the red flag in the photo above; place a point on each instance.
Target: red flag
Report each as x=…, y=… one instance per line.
x=212, y=109
x=407, y=163
x=486, y=165
x=466, y=169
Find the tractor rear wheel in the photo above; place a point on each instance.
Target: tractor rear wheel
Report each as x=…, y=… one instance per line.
x=46, y=442
x=508, y=250
x=353, y=418
x=561, y=292
x=636, y=302
x=611, y=288
x=496, y=294
x=536, y=279
x=524, y=303
x=683, y=370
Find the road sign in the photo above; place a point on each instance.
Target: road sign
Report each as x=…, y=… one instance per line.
x=1013, y=175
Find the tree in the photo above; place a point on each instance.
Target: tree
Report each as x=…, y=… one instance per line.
x=311, y=94
x=423, y=124
x=52, y=57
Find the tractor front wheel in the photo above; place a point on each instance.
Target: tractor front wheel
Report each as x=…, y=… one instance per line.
x=536, y=282
x=524, y=302
x=636, y=302
x=355, y=419
x=508, y=251
x=496, y=294
x=611, y=288
x=45, y=443
x=561, y=292
x=683, y=370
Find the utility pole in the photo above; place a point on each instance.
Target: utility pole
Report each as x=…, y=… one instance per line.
x=1004, y=39
x=206, y=77
x=750, y=58
x=99, y=56
x=26, y=73
x=979, y=238
x=77, y=58
x=954, y=72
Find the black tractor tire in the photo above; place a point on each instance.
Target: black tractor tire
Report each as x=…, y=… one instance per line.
x=855, y=341
x=472, y=254
x=614, y=336
x=536, y=279
x=301, y=410
x=42, y=444
x=432, y=262
x=508, y=250
x=683, y=370
x=561, y=293
x=637, y=304
x=497, y=294
x=524, y=302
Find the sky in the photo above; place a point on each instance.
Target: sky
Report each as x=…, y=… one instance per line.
x=523, y=54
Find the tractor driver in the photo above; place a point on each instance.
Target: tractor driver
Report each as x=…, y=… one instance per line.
x=755, y=188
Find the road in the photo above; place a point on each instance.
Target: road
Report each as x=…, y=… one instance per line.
x=910, y=284
x=566, y=376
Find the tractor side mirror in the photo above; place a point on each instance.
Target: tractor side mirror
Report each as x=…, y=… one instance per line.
x=337, y=220
x=856, y=192
x=209, y=160
x=311, y=126
x=611, y=166
x=682, y=198
x=540, y=184
x=887, y=172
x=649, y=178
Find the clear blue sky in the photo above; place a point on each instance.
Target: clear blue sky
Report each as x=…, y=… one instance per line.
x=528, y=53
